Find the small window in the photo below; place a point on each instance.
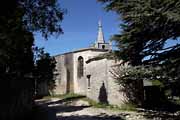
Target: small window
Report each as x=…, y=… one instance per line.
x=88, y=81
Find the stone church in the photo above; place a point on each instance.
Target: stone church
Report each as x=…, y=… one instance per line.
x=78, y=72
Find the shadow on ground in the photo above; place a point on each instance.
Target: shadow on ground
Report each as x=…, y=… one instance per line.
x=47, y=110
x=87, y=117
x=161, y=115
x=164, y=111
x=65, y=100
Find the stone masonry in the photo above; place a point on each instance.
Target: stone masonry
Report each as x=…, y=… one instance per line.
x=93, y=79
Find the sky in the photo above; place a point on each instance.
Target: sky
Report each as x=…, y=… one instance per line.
x=80, y=26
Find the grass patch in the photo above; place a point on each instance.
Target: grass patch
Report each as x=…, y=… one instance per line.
x=175, y=100
x=65, y=96
x=95, y=104
x=128, y=107
x=72, y=96
x=124, y=107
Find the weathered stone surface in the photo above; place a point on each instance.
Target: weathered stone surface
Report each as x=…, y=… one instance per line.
x=100, y=72
x=97, y=81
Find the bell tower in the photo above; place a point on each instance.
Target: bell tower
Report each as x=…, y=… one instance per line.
x=100, y=42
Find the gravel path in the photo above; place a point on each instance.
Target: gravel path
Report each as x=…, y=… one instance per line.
x=58, y=109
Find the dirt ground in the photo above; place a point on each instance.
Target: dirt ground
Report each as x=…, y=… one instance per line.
x=58, y=109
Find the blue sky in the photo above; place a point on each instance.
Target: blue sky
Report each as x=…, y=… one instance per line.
x=80, y=26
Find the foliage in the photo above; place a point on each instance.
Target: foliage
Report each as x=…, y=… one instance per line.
x=18, y=19
x=42, y=15
x=128, y=107
x=45, y=67
x=147, y=28
x=36, y=15
x=130, y=78
x=157, y=83
x=16, y=66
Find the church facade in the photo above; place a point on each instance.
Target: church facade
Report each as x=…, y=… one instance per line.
x=78, y=72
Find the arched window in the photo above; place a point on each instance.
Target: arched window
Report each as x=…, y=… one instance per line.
x=103, y=46
x=80, y=67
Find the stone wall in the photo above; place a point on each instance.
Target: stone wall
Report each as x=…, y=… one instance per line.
x=68, y=63
x=116, y=96
x=102, y=83
x=65, y=73
x=98, y=76
x=80, y=84
x=97, y=81
x=61, y=75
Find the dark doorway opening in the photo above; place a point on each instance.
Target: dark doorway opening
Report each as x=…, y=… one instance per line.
x=103, y=46
x=88, y=81
x=68, y=81
x=103, y=98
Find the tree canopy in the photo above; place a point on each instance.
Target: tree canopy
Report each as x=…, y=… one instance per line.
x=36, y=15
x=18, y=20
x=147, y=26
x=44, y=70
